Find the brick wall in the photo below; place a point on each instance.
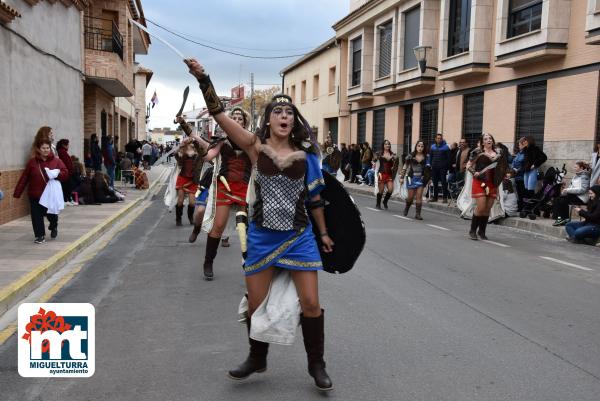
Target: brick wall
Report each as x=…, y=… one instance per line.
x=11, y=208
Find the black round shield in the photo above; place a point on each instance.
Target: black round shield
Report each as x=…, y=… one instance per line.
x=344, y=225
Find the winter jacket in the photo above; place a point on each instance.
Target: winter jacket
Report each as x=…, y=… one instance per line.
x=36, y=177
x=592, y=214
x=66, y=159
x=518, y=164
x=367, y=156
x=533, y=157
x=580, y=184
x=96, y=156
x=440, y=156
x=109, y=155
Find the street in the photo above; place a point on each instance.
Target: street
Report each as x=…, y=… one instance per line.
x=425, y=315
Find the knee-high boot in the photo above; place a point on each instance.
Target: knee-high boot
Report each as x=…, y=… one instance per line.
x=378, y=204
x=386, y=198
x=212, y=244
x=313, y=331
x=256, y=362
x=418, y=207
x=483, y=221
x=474, y=225
x=178, y=214
x=407, y=207
x=190, y=212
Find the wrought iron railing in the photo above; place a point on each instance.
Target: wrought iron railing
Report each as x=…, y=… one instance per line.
x=103, y=34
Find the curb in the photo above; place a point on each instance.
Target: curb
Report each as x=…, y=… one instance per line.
x=17, y=290
x=514, y=222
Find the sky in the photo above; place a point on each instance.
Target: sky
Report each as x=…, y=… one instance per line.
x=251, y=27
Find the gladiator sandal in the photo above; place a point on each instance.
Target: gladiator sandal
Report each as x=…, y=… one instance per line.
x=474, y=225
x=313, y=331
x=178, y=214
x=418, y=207
x=483, y=221
x=378, y=204
x=407, y=208
x=191, y=214
x=386, y=199
x=195, y=232
x=256, y=362
x=212, y=244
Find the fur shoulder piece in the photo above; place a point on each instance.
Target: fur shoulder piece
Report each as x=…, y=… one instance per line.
x=282, y=161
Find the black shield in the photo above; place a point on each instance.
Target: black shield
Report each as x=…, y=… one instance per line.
x=344, y=225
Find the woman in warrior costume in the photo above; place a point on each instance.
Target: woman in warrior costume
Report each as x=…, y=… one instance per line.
x=388, y=167
x=488, y=164
x=190, y=157
x=232, y=187
x=416, y=171
x=288, y=180
x=201, y=201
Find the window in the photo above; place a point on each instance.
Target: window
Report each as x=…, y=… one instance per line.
x=472, y=117
x=408, y=114
x=361, y=127
x=356, y=60
x=597, y=122
x=385, y=49
x=378, y=128
x=460, y=25
x=411, y=36
x=524, y=16
x=316, y=87
x=293, y=94
x=303, y=92
x=331, y=86
x=531, y=111
x=429, y=120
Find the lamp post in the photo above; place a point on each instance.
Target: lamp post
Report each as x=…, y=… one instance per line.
x=421, y=56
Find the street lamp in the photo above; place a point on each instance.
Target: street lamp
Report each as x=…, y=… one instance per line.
x=421, y=56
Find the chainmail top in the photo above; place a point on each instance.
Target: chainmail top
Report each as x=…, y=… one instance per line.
x=280, y=192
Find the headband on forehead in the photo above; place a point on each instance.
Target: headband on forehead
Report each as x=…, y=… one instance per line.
x=281, y=99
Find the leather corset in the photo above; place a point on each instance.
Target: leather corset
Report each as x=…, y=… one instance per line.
x=235, y=165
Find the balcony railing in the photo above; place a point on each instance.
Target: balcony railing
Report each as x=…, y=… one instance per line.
x=103, y=34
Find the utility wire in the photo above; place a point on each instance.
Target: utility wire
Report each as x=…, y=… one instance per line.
x=226, y=51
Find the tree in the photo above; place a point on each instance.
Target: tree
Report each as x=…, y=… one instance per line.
x=261, y=98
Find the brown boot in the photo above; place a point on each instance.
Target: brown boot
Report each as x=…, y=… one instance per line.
x=178, y=214
x=256, y=362
x=483, y=222
x=474, y=225
x=407, y=208
x=418, y=207
x=212, y=244
x=378, y=204
x=195, y=233
x=313, y=331
x=386, y=199
x=190, y=210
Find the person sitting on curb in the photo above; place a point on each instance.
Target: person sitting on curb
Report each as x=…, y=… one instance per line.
x=587, y=231
x=575, y=194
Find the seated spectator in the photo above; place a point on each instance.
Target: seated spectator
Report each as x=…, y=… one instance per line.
x=84, y=190
x=102, y=192
x=127, y=167
x=589, y=229
x=511, y=207
x=370, y=176
x=141, y=179
x=575, y=194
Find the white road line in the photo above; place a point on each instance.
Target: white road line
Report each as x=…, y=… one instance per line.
x=373, y=209
x=496, y=243
x=438, y=227
x=567, y=263
x=401, y=217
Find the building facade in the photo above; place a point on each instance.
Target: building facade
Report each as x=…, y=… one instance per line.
x=313, y=82
x=508, y=67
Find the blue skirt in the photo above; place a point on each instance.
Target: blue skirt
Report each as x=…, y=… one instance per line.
x=415, y=183
x=202, y=198
x=291, y=250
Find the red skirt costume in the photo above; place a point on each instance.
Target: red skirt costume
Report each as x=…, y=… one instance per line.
x=484, y=186
x=185, y=179
x=386, y=170
x=236, y=168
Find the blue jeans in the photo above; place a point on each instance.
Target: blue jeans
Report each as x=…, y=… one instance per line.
x=110, y=171
x=530, y=179
x=329, y=169
x=370, y=178
x=581, y=230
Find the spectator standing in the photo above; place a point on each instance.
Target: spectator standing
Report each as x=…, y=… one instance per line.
x=575, y=194
x=63, y=153
x=440, y=160
x=534, y=158
x=462, y=158
x=354, y=163
x=146, y=154
x=518, y=173
x=595, y=166
x=366, y=158
x=35, y=178
x=345, y=161
x=452, y=163
x=96, y=153
x=110, y=161
x=589, y=229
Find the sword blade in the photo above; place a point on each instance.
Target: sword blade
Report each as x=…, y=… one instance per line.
x=143, y=28
x=185, y=96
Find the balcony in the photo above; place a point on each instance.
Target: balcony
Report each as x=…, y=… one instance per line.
x=105, y=64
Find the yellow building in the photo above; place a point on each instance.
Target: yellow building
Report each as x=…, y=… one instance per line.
x=508, y=67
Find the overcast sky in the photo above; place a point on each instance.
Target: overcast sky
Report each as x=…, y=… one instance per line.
x=252, y=27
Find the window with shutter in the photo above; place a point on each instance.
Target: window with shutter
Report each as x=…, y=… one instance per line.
x=356, y=60
x=472, y=117
x=378, y=128
x=361, y=127
x=429, y=121
x=531, y=111
x=412, y=26
x=459, y=27
x=385, y=49
x=408, y=114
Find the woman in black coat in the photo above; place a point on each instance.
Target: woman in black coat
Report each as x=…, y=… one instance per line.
x=534, y=158
x=355, y=162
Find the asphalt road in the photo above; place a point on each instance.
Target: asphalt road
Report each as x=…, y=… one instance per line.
x=425, y=315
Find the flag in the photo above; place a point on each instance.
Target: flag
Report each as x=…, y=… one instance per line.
x=154, y=100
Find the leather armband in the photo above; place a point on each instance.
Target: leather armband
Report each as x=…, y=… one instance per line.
x=316, y=204
x=213, y=103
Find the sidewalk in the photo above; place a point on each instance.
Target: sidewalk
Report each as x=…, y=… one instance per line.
x=538, y=226
x=24, y=265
